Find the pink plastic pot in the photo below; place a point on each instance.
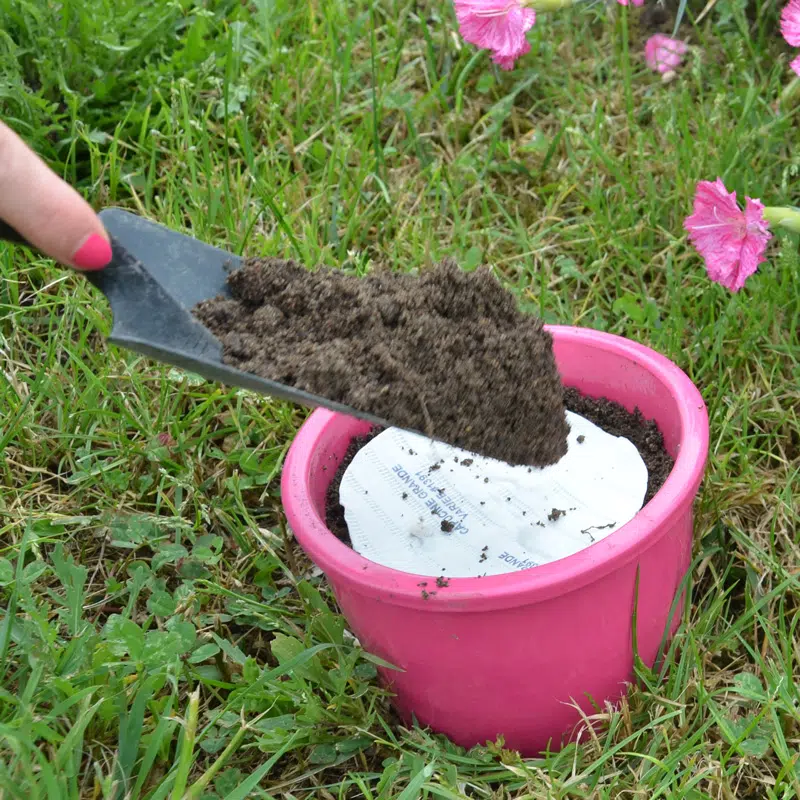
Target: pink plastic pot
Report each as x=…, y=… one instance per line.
x=509, y=654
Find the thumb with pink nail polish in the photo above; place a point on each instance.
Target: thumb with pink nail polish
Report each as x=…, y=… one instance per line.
x=46, y=211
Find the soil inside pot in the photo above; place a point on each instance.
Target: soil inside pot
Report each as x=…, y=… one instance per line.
x=446, y=353
x=606, y=414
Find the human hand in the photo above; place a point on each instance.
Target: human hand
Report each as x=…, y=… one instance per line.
x=47, y=212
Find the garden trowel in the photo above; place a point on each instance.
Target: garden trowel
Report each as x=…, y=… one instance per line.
x=155, y=278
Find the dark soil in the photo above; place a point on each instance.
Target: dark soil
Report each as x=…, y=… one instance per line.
x=618, y=421
x=446, y=353
x=606, y=414
x=659, y=16
x=334, y=510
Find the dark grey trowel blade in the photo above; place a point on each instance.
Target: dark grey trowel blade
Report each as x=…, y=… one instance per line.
x=154, y=280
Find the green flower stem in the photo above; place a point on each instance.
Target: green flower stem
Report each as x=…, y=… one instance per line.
x=784, y=216
x=544, y=6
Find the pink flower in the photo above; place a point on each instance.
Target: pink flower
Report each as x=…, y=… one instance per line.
x=790, y=28
x=731, y=241
x=166, y=440
x=663, y=54
x=635, y=2
x=496, y=25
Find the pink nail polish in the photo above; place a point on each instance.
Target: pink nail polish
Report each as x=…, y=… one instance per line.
x=94, y=253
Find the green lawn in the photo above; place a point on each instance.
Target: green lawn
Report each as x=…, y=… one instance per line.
x=161, y=633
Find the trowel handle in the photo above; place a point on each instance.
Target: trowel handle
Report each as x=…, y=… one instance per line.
x=8, y=234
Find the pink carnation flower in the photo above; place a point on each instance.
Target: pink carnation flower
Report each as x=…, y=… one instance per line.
x=790, y=28
x=664, y=54
x=496, y=25
x=731, y=241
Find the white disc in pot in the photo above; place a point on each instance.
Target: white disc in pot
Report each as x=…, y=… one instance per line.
x=424, y=507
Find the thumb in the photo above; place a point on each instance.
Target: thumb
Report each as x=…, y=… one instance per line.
x=51, y=215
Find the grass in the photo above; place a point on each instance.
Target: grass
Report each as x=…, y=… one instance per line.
x=162, y=635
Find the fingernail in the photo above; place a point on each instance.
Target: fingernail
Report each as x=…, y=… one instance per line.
x=94, y=253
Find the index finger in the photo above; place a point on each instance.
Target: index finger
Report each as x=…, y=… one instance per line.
x=49, y=213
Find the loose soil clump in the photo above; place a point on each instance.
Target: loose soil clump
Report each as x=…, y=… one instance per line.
x=612, y=417
x=446, y=353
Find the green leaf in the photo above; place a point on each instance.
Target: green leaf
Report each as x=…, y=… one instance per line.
x=398, y=100
x=679, y=17
x=354, y=745
x=227, y=781
x=285, y=648
x=755, y=746
x=380, y=661
x=119, y=48
x=73, y=578
x=536, y=142
x=630, y=307
x=211, y=540
x=326, y=625
x=246, y=786
x=130, y=730
x=323, y=754
x=749, y=737
x=133, y=531
x=251, y=671
x=33, y=571
x=318, y=151
x=204, y=555
x=184, y=632
x=230, y=650
x=365, y=671
x=284, y=722
x=140, y=576
x=749, y=685
x=196, y=48
x=472, y=259
x=412, y=791
x=192, y=570
x=249, y=462
x=44, y=528
x=568, y=268
x=203, y=653
x=116, y=479
x=214, y=742
x=124, y=637
x=485, y=83
x=161, y=604
x=168, y=554
x=161, y=648
x=6, y=572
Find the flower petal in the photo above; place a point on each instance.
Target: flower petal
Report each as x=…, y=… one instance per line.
x=732, y=242
x=507, y=61
x=664, y=54
x=496, y=25
x=790, y=22
x=713, y=204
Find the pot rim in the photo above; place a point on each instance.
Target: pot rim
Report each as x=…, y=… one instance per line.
x=345, y=567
